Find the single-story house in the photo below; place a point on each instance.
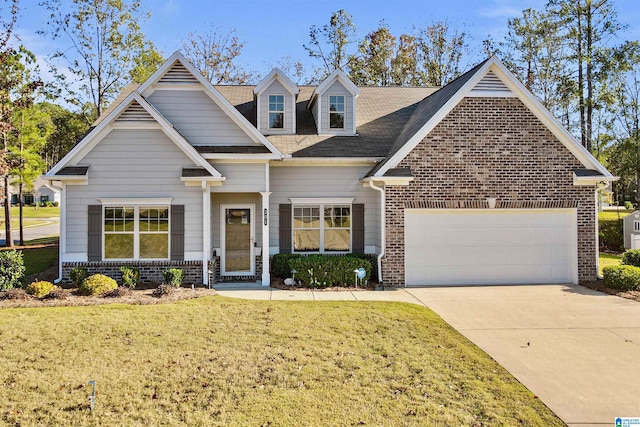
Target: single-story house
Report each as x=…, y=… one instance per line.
x=472, y=183
x=42, y=192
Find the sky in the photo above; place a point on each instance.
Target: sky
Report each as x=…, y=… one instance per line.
x=274, y=29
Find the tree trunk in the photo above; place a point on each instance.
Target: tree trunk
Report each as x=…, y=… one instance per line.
x=579, y=48
x=20, y=204
x=7, y=214
x=589, y=100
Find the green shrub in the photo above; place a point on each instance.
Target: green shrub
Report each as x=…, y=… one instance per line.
x=11, y=269
x=77, y=275
x=321, y=271
x=280, y=264
x=173, y=276
x=631, y=257
x=130, y=276
x=611, y=234
x=40, y=289
x=628, y=205
x=625, y=277
x=97, y=284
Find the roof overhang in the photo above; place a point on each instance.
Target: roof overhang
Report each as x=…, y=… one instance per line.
x=388, y=180
x=590, y=178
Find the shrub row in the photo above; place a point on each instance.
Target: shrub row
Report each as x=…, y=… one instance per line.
x=11, y=269
x=321, y=271
x=625, y=277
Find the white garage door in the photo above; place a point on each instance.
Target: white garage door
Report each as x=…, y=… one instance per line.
x=460, y=247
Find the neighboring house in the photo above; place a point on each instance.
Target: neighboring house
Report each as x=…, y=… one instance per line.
x=42, y=192
x=631, y=229
x=472, y=183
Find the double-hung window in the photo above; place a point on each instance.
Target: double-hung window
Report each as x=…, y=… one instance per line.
x=322, y=228
x=336, y=111
x=136, y=232
x=276, y=111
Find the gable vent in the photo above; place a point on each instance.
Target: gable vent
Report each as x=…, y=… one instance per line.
x=178, y=74
x=135, y=113
x=491, y=85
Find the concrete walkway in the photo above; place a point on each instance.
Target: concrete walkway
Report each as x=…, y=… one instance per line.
x=578, y=350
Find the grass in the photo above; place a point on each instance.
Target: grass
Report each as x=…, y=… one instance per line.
x=608, y=259
x=32, y=212
x=612, y=215
x=217, y=361
x=37, y=260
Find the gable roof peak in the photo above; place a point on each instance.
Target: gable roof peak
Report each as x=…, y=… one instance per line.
x=276, y=74
x=339, y=75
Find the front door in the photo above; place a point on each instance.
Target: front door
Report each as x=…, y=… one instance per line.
x=237, y=237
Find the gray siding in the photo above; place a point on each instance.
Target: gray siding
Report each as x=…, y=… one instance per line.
x=315, y=111
x=133, y=163
x=231, y=199
x=198, y=118
x=327, y=182
x=241, y=177
x=276, y=88
x=337, y=89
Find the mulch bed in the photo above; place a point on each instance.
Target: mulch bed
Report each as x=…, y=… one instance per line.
x=278, y=283
x=598, y=285
x=138, y=296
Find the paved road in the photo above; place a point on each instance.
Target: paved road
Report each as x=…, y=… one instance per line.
x=50, y=228
x=576, y=349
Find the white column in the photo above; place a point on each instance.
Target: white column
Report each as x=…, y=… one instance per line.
x=206, y=231
x=264, y=218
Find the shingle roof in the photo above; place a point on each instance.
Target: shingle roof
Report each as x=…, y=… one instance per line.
x=381, y=113
x=73, y=170
x=194, y=172
x=586, y=172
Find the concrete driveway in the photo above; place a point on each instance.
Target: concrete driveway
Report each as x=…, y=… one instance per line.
x=576, y=349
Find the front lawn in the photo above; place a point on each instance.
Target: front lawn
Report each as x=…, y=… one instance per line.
x=218, y=361
x=32, y=212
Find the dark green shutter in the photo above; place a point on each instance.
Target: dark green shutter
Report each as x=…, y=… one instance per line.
x=94, y=238
x=177, y=232
x=357, y=228
x=285, y=229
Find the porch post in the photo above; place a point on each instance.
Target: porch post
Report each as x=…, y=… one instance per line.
x=264, y=219
x=206, y=231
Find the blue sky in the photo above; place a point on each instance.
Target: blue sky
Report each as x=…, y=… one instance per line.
x=273, y=29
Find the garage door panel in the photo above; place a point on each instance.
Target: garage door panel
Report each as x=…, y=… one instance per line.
x=456, y=247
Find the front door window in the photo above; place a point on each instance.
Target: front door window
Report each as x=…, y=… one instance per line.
x=238, y=240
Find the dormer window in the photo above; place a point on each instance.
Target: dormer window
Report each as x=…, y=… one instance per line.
x=276, y=111
x=336, y=111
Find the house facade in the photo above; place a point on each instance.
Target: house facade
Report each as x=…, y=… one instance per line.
x=472, y=183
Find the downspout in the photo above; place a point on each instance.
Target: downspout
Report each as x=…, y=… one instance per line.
x=382, y=228
x=62, y=200
x=599, y=186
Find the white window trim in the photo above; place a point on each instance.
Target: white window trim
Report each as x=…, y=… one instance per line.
x=136, y=230
x=137, y=201
x=284, y=109
x=321, y=203
x=344, y=111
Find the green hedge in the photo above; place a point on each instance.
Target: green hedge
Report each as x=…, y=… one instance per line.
x=611, y=234
x=280, y=264
x=631, y=257
x=625, y=277
x=321, y=271
x=11, y=269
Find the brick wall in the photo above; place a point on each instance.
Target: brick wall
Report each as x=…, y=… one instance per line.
x=489, y=147
x=150, y=272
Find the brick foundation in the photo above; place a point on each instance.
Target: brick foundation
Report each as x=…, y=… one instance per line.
x=489, y=147
x=150, y=272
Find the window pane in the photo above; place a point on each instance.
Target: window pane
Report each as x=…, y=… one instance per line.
x=276, y=120
x=337, y=240
x=118, y=246
x=336, y=120
x=154, y=246
x=306, y=240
